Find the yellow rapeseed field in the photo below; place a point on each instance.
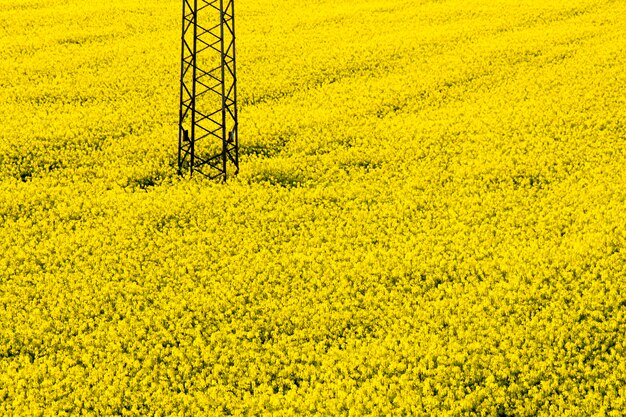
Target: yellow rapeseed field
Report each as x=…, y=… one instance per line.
x=430, y=219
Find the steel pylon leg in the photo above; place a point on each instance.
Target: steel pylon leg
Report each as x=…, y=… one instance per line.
x=208, y=137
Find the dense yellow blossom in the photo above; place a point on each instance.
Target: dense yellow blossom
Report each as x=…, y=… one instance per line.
x=430, y=217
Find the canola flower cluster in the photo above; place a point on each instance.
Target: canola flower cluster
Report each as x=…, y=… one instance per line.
x=430, y=217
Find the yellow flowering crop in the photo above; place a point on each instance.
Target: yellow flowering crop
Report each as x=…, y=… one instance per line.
x=430, y=218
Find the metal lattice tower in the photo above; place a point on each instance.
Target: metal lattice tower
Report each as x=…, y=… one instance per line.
x=208, y=141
